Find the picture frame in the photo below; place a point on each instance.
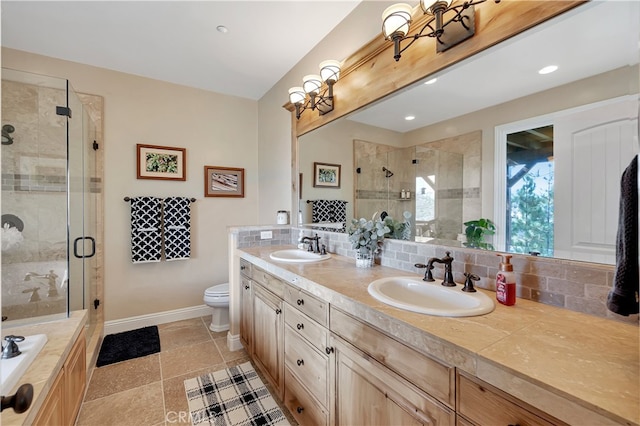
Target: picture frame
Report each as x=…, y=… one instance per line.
x=161, y=162
x=223, y=182
x=326, y=175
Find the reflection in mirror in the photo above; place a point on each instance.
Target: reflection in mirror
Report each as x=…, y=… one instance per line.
x=469, y=125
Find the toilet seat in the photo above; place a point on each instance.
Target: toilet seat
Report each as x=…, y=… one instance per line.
x=218, y=290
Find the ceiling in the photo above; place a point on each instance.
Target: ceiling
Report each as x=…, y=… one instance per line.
x=577, y=42
x=177, y=41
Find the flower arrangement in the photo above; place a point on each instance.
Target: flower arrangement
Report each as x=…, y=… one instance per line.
x=366, y=236
x=398, y=230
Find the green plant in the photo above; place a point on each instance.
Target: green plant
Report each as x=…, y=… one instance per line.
x=366, y=236
x=476, y=230
x=398, y=230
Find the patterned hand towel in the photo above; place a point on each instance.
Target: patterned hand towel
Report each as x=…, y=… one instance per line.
x=146, y=239
x=177, y=228
x=333, y=211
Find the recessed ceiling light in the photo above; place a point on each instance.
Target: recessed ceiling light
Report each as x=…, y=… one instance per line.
x=433, y=80
x=548, y=69
x=410, y=117
x=222, y=29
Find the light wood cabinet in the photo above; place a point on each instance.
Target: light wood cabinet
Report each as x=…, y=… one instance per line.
x=306, y=357
x=368, y=393
x=268, y=341
x=62, y=404
x=432, y=376
x=479, y=403
x=246, y=306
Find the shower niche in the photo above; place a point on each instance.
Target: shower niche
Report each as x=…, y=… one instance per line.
x=51, y=200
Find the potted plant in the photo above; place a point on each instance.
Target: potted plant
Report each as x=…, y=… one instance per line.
x=398, y=230
x=366, y=237
x=475, y=232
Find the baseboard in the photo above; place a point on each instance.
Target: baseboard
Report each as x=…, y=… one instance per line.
x=233, y=342
x=132, y=323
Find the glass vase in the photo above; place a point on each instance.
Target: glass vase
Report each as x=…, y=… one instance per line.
x=364, y=260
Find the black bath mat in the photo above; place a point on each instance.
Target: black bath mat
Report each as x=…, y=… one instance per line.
x=128, y=345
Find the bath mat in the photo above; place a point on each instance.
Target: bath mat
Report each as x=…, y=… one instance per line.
x=128, y=345
x=234, y=396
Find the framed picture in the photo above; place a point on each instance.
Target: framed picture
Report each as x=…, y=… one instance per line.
x=223, y=182
x=161, y=162
x=326, y=175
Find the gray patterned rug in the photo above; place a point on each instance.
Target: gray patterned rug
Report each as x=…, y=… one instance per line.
x=234, y=396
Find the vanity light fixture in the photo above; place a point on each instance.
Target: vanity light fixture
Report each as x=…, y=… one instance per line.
x=312, y=85
x=460, y=25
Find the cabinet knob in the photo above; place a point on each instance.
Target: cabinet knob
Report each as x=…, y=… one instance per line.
x=278, y=311
x=329, y=350
x=300, y=410
x=300, y=302
x=20, y=401
x=246, y=287
x=300, y=326
x=242, y=268
x=300, y=362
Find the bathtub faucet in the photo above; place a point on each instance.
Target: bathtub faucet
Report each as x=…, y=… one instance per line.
x=51, y=280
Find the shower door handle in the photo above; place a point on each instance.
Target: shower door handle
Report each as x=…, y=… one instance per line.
x=84, y=256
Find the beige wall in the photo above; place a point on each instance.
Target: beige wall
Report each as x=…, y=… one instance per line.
x=216, y=129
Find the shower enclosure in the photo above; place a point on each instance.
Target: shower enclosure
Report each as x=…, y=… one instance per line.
x=50, y=201
x=438, y=184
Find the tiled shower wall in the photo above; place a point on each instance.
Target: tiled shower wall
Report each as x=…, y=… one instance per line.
x=34, y=182
x=577, y=286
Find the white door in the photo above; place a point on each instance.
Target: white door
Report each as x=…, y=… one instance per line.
x=592, y=147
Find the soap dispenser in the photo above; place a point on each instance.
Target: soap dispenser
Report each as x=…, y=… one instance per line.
x=506, y=282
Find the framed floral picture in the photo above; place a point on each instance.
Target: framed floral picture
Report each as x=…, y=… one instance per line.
x=161, y=162
x=223, y=182
x=326, y=175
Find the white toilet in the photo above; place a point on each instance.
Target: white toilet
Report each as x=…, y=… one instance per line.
x=217, y=297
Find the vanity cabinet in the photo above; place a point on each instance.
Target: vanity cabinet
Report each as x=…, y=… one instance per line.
x=378, y=380
x=62, y=404
x=268, y=327
x=479, y=403
x=306, y=357
x=246, y=306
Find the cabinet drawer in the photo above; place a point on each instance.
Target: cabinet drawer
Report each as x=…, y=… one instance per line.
x=305, y=410
x=310, y=305
x=431, y=376
x=307, y=363
x=306, y=327
x=268, y=281
x=245, y=268
x=483, y=404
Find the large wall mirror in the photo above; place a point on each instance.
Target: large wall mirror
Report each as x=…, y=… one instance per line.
x=540, y=155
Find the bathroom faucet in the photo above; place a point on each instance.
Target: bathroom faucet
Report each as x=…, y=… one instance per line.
x=310, y=240
x=51, y=279
x=447, y=260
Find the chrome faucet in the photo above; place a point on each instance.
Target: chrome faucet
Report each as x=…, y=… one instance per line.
x=51, y=280
x=447, y=260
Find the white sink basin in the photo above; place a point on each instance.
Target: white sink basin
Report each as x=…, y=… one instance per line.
x=14, y=368
x=413, y=294
x=298, y=256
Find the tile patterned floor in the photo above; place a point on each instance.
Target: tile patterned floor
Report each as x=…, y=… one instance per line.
x=150, y=390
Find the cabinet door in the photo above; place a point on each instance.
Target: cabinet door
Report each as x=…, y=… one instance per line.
x=52, y=411
x=75, y=371
x=367, y=393
x=246, y=314
x=268, y=342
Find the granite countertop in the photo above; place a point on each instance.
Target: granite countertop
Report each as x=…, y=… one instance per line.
x=579, y=368
x=61, y=334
